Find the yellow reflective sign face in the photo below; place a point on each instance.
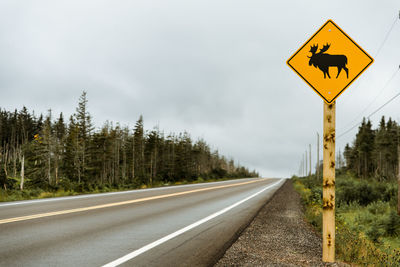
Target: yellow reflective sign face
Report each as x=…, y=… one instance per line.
x=329, y=61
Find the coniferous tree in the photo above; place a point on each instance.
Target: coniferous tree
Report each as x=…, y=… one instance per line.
x=72, y=159
x=138, y=139
x=84, y=128
x=391, y=154
x=151, y=153
x=47, y=146
x=381, y=143
x=59, y=146
x=364, y=145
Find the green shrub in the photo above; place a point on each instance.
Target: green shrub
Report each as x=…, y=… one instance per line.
x=378, y=208
x=313, y=215
x=66, y=184
x=367, y=193
x=354, y=247
x=80, y=188
x=392, y=224
x=346, y=191
x=375, y=233
x=200, y=180
x=364, y=192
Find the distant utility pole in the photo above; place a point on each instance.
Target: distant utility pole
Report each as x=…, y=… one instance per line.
x=310, y=159
x=301, y=166
x=305, y=157
x=317, y=171
x=299, y=173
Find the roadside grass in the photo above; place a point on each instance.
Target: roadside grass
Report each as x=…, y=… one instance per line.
x=367, y=224
x=68, y=189
x=17, y=195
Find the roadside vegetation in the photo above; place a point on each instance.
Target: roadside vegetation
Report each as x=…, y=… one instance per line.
x=368, y=227
x=45, y=157
x=38, y=193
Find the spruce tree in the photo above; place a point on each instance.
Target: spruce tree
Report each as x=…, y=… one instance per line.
x=72, y=159
x=84, y=128
x=47, y=147
x=364, y=145
x=138, y=139
x=59, y=146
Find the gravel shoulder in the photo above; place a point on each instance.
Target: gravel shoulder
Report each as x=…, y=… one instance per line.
x=278, y=236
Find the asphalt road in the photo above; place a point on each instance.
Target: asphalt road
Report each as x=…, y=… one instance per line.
x=190, y=225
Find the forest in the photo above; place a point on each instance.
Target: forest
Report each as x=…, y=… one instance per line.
x=374, y=152
x=40, y=152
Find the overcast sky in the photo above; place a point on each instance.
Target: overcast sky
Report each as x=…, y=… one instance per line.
x=216, y=69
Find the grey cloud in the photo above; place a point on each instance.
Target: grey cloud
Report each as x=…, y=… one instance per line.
x=214, y=68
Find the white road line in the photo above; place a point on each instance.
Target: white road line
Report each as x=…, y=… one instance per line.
x=164, y=239
x=34, y=201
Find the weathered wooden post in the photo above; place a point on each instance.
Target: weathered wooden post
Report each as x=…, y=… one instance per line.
x=310, y=160
x=317, y=172
x=328, y=191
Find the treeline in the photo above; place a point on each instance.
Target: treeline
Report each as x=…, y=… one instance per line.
x=47, y=153
x=374, y=152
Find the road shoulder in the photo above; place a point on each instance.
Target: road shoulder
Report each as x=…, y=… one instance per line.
x=278, y=236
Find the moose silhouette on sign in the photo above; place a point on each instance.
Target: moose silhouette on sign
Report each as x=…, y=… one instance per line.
x=323, y=61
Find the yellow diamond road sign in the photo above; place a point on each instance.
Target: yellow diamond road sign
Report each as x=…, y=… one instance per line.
x=329, y=61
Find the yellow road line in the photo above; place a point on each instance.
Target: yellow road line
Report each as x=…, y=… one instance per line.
x=61, y=212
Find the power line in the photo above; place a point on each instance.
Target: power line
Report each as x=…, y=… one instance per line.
x=383, y=105
x=387, y=35
x=381, y=46
x=375, y=98
x=390, y=100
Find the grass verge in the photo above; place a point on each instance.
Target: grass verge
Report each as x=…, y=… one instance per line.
x=73, y=190
x=367, y=225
